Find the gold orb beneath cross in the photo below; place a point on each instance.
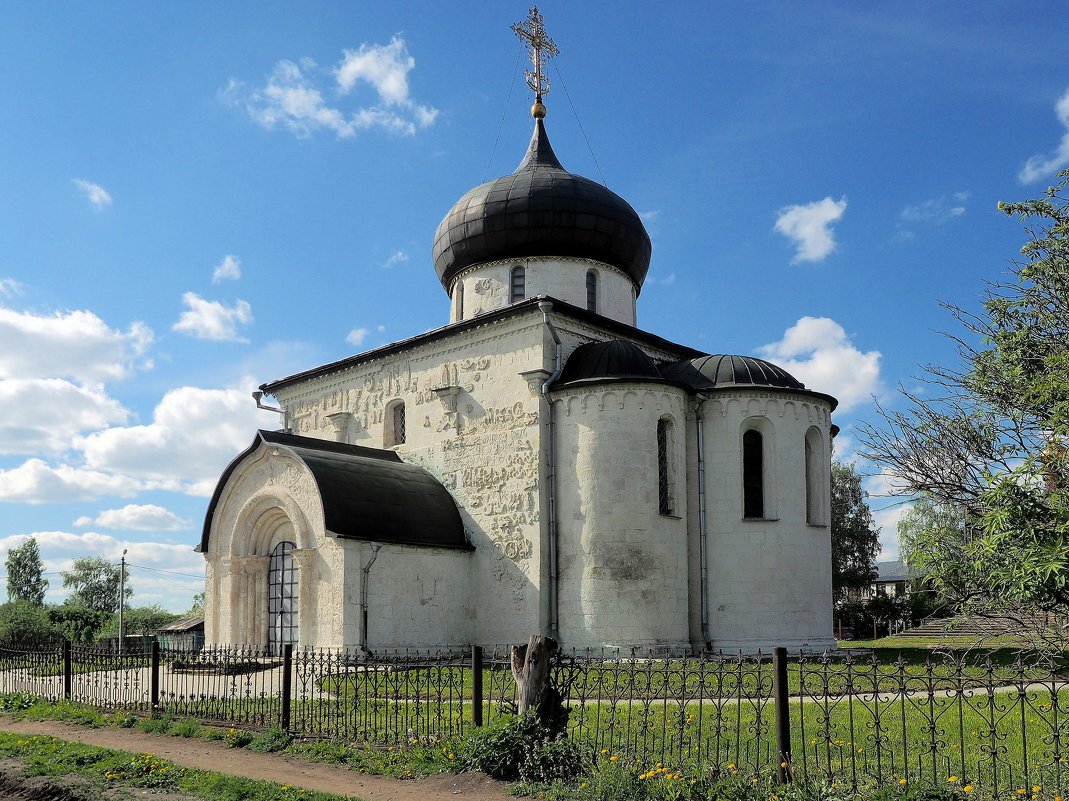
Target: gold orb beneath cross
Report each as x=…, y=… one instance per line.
x=538, y=110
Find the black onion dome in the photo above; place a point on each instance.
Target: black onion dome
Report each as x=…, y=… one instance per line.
x=541, y=210
x=718, y=370
x=614, y=360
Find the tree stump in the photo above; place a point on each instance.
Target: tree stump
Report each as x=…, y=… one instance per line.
x=531, y=669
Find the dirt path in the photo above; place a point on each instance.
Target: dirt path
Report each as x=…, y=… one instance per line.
x=215, y=756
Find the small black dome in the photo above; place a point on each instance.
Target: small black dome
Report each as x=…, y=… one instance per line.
x=614, y=360
x=718, y=370
x=541, y=210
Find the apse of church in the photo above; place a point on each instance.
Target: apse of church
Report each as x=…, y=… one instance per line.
x=538, y=465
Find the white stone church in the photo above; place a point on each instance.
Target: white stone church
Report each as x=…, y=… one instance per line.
x=539, y=465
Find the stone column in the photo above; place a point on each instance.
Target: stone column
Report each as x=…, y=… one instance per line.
x=307, y=603
x=248, y=599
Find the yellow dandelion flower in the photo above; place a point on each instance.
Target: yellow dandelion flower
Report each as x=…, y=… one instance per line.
x=613, y=758
x=901, y=781
x=1020, y=791
x=583, y=786
x=783, y=764
x=1036, y=788
x=967, y=788
x=952, y=778
x=604, y=750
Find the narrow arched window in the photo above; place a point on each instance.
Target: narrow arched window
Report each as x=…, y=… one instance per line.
x=399, y=424
x=591, y=291
x=664, y=467
x=460, y=300
x=394, y=427
x=814, y=478
x=282, y=620
x=518, y=287
x=753, y=489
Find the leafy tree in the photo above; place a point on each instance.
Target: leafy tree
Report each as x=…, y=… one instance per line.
x=76, y=623
x=25, y=574
x=23, y=623
x=991, y=444
x=854, y=538
x=138, y=620
x=96, y=584
x=196, y=609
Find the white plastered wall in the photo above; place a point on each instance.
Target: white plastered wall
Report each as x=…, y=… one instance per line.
x=622, y=564
x=473, y=421
x=417, y=597
x=769, y=579
x=486, y=287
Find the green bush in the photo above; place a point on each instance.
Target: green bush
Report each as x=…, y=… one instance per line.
x=274, y=739
x=186, y=727
x=237, y=738
x=155, y=725
x=16, y=702
x=523, y=748
x=24, y=623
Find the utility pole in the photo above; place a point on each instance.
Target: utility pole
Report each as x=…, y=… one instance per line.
x=122, y=595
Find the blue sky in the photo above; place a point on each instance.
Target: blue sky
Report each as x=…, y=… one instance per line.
x=197, y=198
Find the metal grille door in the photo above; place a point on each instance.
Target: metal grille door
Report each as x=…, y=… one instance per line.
x=282, y=625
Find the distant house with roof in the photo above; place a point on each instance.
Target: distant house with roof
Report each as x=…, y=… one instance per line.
x=895, y=578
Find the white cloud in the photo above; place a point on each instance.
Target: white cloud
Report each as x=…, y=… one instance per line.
x=37, y=482
x=291, y=97
x=136, y=517
x=145, y=561
x=10, y=288
x=809, y=228
x=45, y=414
x=817, y=351
x=357, y=336
x=381, y=329
x=76, y=345
x=935, y=210
x=228, y=268
x=193, y=435
x=210, y=319
x=1042, y=166
x=97, y=195
x=397, y=257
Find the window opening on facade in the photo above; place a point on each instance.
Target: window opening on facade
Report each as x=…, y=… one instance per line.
x=519, y=284
x=460, y=300
x=753, y=490
x=664, y=477
x=591, y=291
x=814, y=484
x=282, y=622
x=399, y=424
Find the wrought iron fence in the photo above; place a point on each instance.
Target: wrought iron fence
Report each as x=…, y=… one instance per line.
x=994, y=720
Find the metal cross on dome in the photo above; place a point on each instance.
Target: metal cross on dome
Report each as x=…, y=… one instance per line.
x=541, y=48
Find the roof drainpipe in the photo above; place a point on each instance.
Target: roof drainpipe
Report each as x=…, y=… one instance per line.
x=703, y=534
x=366, y=570
x=551, y=474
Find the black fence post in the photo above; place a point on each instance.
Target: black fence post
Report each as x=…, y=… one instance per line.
x=68, y=670
x=287, y=680
x=783, y=716
x=154, y=681
x=477, y=685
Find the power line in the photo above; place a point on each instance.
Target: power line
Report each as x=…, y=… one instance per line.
x=170, y=572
